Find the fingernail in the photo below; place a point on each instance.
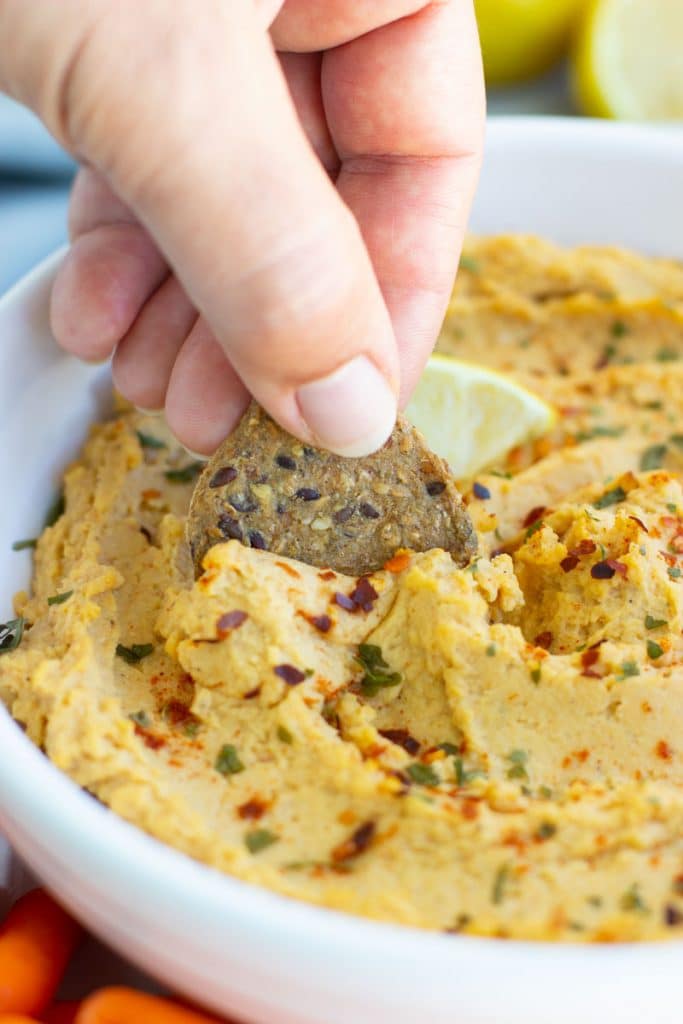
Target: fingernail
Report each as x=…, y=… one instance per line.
x=352, y=411
x=199, y=456
x=148, y=412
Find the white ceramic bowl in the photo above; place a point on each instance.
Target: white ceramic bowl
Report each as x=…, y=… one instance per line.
x=238, y=948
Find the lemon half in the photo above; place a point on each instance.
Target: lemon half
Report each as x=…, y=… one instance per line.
x=472, y=416
x=628, y=61
x=523, y=38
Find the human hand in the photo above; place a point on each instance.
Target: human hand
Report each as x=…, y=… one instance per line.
x=272, y=200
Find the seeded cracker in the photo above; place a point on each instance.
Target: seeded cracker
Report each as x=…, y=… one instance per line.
x=268, y=490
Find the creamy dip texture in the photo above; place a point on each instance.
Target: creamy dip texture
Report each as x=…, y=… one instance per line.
x=495, y=750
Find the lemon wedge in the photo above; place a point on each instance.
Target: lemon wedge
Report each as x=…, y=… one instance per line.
x=472, y=416
x=627, y=63
x=523, y=38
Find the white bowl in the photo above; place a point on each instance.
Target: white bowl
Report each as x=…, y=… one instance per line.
x=237, y=948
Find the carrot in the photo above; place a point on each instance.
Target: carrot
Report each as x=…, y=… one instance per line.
x=36, y=940
x=61, y=1013
x=126, y=1006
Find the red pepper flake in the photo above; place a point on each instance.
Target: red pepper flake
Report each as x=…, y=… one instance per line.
x=357, y=843
x=672, y=916
x=399, y=562
x=544, y=640
x=231, y=620
x=291, y=675
x=664, y=751
x=289, y=570
x=603, y=570
x=344, y=602
x=582, y=755
x=588, y=659
x=251, y=694
x=364, y=594
x=177, y=713
x=149, y=738
x=469, y=809
x=253, y=809
x=640, y=523
x=402, y=738
x=618, y=567
x=328, y=574
x=534, y=515
x=569, y=562
x=584, y=547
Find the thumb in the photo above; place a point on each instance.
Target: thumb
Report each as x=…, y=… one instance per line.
x=184, y=109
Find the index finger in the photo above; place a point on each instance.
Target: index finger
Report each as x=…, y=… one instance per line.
x=405, y=106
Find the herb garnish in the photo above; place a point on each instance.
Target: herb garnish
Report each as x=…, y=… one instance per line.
x=491, y=651
x=676, y=439
x=633, y=901
x=378, y=674
x=149, y=441
x=469, y=263
x=653, y=457
x=140, y=718
x=56, y=510
x=21, y=545
x=185, y=475
x=228, y=760
x=499, y=884
x=422, y=774
x=612, y=497
x=652, y=623
x=448, y=747
x=517, y=769
x=60, y=598
x=284, y=735
x=619, y=329
x=10, y=634
x=654, y=651
x=534, y=528
x=463, y=777
x=628, y=668
x=598, y=431
x=135, y=653
x=667, y=355
x=259, y=839
x=674, y=572
x=546, y=830
x=536, y=674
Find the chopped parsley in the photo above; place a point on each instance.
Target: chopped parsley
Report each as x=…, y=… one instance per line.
x=517, y=769
x=545, y=792
x=628, y=668
x=676, y=439
x=449, y=748
x=135, y=653
x=228, y=761
x=667, y=355
x=185, y=475
x=378, y=674
x=260, y=839
x=534, y=528
x=140, y=718
x=149, y=441
x=21, y=545
x=546, y=830
x=652, y=623
x=654, y=651
x=653, y=457
x=10, y=634
x=611, y=497
x=491, y=651
x=469, y=263
x=598, y=431
x=422, y=774
x=633, y=901
x=499, y=884
x=536, y=674
x=56, y=510
x=284, y=735
x=60, y=598
x=674, y=572
x=463, y=777
x=619, y=329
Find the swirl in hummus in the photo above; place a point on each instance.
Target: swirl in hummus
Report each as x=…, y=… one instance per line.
x=495, y=750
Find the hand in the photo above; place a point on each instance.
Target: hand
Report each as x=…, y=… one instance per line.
x=272, y=199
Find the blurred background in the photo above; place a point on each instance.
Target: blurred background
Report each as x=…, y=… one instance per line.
x=602, y=58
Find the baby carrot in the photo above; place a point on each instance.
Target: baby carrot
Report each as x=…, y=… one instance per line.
x=36, y=940
x=61, y=1013
x=126, y=1006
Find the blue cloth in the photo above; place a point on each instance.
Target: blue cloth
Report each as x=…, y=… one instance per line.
x=35, y=175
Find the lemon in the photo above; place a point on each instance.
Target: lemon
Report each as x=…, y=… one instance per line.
x=628, y=61
x=523, y=38
x=472, y=416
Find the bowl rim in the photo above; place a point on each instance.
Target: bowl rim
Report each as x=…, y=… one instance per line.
x=95, y=834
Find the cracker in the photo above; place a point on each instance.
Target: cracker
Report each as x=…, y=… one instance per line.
x=268, y=490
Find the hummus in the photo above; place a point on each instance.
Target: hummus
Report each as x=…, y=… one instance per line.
x=494, y=750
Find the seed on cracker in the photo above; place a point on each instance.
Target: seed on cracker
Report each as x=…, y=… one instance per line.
x=268, y=490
